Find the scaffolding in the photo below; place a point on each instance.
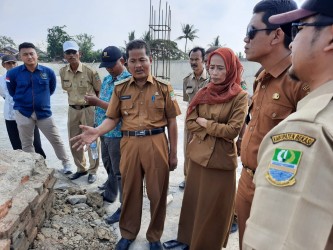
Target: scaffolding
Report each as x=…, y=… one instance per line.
x=159, y=30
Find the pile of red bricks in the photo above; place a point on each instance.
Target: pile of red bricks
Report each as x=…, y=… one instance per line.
x=28, y=202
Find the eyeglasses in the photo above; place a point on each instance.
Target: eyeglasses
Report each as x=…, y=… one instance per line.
x=296, y=27
x=251, y=32
x=70, y=51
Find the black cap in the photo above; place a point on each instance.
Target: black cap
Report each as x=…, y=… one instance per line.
x=110, y=56
x=308, y=8
x=8, y=58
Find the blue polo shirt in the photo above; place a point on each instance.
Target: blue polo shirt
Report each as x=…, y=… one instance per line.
x=105, y=95
x=31, y=91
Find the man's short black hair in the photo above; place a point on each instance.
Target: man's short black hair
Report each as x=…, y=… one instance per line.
x=197, y=48
x=137, y=44
x=26, y=45
x=274, y=7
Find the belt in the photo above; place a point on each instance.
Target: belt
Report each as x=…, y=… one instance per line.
x=79, y=107
x=140, y=133
x=249, y=171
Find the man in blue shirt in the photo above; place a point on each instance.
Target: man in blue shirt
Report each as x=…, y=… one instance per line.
x=113, y=61
x=31, y=86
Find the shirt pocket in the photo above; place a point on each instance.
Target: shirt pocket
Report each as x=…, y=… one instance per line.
x=127, y=109
x=82, y=86
x=156, y=113
x=277, y=112
x=67, y=85
x=44, y=83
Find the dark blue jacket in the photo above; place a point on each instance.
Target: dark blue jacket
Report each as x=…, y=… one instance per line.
x=31, y=91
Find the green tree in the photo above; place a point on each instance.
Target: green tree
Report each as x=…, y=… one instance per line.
x=6, y=41
x=216, y=42
x=55, y=38
x=189, y=33
x=86, y=47
x=146, y=37
x=165, y=49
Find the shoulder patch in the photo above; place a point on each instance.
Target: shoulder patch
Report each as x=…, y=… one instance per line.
x=187, y=76
x=283, y=167
x=297, y=137
x=162, y=81
x=122, y=81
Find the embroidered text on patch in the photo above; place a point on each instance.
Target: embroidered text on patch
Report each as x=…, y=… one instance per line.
x=301, y=138
x=283, y=167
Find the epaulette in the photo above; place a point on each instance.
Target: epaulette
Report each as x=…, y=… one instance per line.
x=160, y=80
x=187, y=76
x=122, y=81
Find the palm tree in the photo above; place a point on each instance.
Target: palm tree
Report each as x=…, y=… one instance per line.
x=189, y=33
x=216, y=42
x=146, y=37
x=131, y=37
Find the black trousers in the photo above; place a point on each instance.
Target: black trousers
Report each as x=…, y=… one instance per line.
x=14, y=137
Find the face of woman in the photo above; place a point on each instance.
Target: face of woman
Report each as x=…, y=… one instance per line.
x=217, y=70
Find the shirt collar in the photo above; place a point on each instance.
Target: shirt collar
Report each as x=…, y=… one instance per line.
x=326, y=88
x=203, y=74
x=25, y=68
x=279, y=67
x=150, y=79
x=79, y=69
x=123, y=75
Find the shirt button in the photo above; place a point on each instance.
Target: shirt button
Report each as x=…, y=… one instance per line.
x=212, y=148
x=251, y=128
x=263, y=86
x=141, y=103
x=274, y=115
x=257, y=108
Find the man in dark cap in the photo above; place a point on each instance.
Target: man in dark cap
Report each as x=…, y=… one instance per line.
x=113, y=62
x=293, y=206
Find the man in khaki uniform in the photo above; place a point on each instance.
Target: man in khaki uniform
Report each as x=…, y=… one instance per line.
x=293, y=206
x=146, y=105
x=275, y=98
x=191, y=84
x=78, y=80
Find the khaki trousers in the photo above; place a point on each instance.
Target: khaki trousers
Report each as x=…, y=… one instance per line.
x=85, y=116
x=143, y=157
x=244, y=198
x=26, y=127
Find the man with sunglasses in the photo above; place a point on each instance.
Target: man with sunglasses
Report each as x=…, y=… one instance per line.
x=293, y=205
x=78, y=80
x=276, y=95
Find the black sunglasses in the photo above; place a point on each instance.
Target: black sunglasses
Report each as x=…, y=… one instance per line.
x=251, y=32
x=70, y=51
x=295, y=27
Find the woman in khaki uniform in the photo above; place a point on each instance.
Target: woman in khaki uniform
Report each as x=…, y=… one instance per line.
x=215, y=117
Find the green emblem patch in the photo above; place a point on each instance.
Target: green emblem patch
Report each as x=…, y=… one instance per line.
x=283, y=167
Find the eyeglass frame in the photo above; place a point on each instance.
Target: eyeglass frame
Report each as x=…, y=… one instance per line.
x=251, y=32
x=71, y=51
x=295, y=30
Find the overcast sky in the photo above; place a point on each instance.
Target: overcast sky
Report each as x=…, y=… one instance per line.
x=110, y=21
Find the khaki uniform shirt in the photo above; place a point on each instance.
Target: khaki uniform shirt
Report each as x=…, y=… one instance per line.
x=293, y=201
x=143, y=108
x=191, y=85
x=275, y=98
x=85, y=80
x=214, y=147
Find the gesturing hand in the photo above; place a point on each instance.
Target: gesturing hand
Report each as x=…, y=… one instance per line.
x=88, y=135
